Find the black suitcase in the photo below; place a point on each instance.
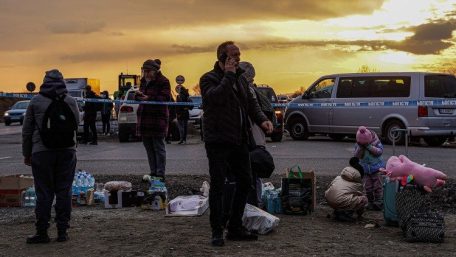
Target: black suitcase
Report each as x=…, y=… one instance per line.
x=426, y=226
x=409, y=200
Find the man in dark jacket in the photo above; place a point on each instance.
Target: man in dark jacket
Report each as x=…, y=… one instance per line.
x=227, y=104
x=90, y=116
x=182, y=113
x=53, y=169
x=152, y=123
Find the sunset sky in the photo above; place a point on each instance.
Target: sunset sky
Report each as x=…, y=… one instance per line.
x=290, y=42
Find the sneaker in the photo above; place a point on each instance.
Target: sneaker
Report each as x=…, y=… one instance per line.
x=241, y=235
x=181, y=142
x=38, y=238
x=343, y=216
x=217, y=238
x=62, y=236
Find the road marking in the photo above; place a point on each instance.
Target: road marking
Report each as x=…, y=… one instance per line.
x=7, y=157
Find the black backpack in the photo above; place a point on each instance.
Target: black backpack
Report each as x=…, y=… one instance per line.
x=59, y=126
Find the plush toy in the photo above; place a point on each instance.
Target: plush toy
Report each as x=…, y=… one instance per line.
x=397, y=167
x=363, y=136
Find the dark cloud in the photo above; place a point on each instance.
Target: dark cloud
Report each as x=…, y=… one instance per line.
x=75, y=27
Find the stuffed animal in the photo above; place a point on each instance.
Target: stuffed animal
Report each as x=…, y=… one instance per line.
x=363, y=136
x=401, y=166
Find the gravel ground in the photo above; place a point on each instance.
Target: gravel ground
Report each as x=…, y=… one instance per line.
x=135, y=232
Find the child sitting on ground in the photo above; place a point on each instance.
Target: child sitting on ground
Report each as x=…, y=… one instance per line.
x=346, y=194
x=369, y=150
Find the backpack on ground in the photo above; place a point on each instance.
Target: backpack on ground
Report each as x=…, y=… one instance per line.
x=59, y=126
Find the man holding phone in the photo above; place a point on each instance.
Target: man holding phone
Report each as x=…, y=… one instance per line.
x=227, y=105
x=152, y=123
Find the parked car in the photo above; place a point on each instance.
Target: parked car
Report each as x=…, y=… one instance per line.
x=338, y=104
x=196, y=114
x=283, y=99
x=16, y=113
x=277, y=120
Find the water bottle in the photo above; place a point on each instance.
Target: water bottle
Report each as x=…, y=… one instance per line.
x=270, y=202
x=29, y=197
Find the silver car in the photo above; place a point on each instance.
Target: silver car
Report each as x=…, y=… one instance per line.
x=392, y=104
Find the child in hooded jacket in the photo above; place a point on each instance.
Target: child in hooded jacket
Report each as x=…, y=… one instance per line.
x=369, y=150
x=345, y=194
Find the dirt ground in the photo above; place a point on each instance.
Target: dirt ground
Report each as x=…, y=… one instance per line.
x=134, y=232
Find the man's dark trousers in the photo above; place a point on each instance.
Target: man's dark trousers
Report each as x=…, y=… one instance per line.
x=53, y=173
x=233, y=161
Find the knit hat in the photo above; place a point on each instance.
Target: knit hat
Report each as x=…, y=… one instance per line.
x=152, y=64
x=53, y=75
x=354, y=162
x=249, y=71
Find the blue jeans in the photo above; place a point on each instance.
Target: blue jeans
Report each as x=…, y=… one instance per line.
x=156, y=155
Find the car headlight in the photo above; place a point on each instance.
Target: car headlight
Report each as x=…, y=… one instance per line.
x=6, y=114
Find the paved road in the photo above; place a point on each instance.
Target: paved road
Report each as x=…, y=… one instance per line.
x=110, y=157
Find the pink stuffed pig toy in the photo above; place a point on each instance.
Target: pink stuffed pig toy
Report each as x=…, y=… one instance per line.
x=401, y=166
x=363, y=136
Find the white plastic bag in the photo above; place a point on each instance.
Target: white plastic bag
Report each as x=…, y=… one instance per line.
x=187, y=205
x=255, y=219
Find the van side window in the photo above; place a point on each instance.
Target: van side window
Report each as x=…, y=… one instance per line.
x=440, y=86
x=323, y=89
x=363, y=87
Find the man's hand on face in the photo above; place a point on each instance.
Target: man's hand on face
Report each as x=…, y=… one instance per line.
x=267, y=126
x=28, y=161
x=230, y=65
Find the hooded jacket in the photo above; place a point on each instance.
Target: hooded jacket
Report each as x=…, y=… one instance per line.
x=227, y=105
x=346, y=190
x=31, y=140
x=370, y=156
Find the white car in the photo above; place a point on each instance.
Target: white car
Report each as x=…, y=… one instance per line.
x=197, y=112
x=127, y=117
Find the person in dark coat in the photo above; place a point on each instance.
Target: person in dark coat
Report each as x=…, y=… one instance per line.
x=182, y=112
x=228, y=104
x=90, y=117
x=52, y=169
x=171, y=122
x=106, y=113
x=152, y=125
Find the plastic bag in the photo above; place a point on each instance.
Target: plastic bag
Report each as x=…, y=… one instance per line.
x=255, y=219
x=118, y=185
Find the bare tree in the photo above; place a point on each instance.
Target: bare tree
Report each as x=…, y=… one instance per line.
x=196, y=89
x=366, y=69
x=298, y=92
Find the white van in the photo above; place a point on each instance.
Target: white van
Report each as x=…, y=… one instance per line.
x=423, y=104
x=127, y=117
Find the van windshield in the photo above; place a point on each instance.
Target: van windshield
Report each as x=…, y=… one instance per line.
x=442, y=86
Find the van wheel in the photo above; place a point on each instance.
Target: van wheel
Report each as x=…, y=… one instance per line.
x=390, y=135
x=7, y=123
x=298, y=129
x=337, y=137
x=434, y=141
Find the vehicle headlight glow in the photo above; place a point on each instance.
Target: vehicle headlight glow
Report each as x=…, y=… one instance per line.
x=6, y=114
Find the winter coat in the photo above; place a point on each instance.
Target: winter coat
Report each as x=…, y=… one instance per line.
x=182, y=112
x=31, y=139
x=91, y=108
x=153, y=119
x=106, y=108
x=370, y=156
x=346, y=190
x=227, y=101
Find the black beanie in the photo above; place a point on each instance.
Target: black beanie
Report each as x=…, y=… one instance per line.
x=354, y=162
x=152, y=64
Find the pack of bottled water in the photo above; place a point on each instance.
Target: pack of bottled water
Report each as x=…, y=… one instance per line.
x=82, y=182
x=29, y=197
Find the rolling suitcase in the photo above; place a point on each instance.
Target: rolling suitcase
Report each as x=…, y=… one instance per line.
x=390, y=188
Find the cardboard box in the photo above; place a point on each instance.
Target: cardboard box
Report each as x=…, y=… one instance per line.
x=310, y=179
x=15, y=182
x=120, y=199
x=11, y=197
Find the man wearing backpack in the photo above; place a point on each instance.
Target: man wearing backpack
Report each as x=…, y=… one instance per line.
x=48, y=145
